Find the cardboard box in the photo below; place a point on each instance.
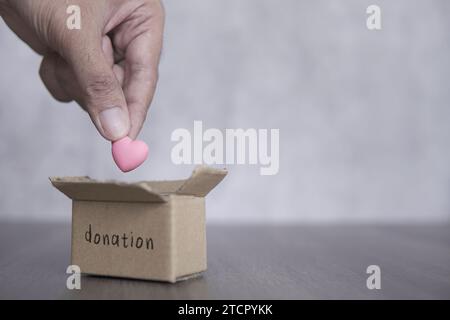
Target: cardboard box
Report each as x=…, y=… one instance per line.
x=151, y=230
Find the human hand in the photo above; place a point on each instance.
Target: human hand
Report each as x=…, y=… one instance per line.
x=110, y=66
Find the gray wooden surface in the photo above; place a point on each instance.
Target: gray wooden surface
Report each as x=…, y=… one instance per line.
x=295, y=262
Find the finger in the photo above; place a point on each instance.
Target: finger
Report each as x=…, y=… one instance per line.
x=63, y=81
x=48, y=74
x=119, y=72
x=101, y=92
x=109, y=55
x=108, y=50
x=141, y=74
x=67, y=80
x=60, y=79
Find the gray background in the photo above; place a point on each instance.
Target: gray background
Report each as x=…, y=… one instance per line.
x=363, y=115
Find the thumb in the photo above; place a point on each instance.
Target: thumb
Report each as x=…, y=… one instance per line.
x=101, y=94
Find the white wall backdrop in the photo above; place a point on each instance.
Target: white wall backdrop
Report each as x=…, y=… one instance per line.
x=364, y=116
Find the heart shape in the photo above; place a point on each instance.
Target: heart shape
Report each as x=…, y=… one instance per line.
x=129, y=154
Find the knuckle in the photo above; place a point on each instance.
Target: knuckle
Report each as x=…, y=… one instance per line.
x=42, y=73
x=62, y=98
x=142, y=113
x=44, y=69
x=50, y=79
x=100, y=86
x=148, y=75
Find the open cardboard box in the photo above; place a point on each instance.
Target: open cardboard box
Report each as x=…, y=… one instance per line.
x=151, y=230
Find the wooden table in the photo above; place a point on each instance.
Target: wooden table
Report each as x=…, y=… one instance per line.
x=257, y=262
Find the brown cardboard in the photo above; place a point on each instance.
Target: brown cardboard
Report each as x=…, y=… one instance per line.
x=152, y=230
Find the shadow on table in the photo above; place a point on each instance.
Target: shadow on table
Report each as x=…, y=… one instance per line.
x=98, y=287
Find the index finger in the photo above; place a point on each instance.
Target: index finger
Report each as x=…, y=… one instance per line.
x=141, y=74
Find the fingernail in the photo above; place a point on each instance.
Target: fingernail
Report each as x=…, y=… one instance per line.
x=114, y=123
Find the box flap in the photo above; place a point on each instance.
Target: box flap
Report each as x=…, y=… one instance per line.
x=85, y=188
x=202, y=181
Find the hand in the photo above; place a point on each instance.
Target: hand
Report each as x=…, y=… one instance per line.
x=110, y=66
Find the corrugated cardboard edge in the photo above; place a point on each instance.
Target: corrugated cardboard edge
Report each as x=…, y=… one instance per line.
x=172, y=235
x=85, y=188
x=190, y=276
x=202, y=181
x=172, y=281
x=189, y=234
x=199, y=184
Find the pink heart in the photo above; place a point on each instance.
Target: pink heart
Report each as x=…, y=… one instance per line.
x=129, y=154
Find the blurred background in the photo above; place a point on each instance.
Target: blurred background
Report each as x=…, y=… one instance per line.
x=364, y=116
